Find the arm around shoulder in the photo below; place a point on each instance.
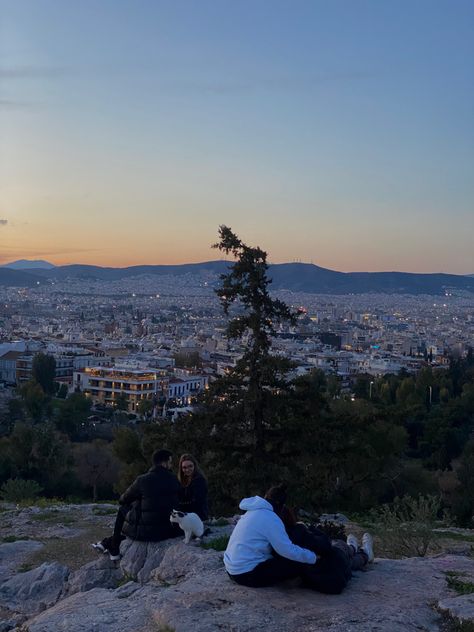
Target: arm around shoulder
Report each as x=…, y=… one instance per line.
x=282, y=544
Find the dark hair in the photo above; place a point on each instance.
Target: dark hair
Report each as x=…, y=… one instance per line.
x=276, y=496
x=160, y=456
x=197, y=470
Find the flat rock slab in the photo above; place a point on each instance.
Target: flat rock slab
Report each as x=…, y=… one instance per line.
x=393, y=596
x=14, y=554
x=101, y=610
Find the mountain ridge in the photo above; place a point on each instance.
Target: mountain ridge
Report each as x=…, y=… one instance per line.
x=29, y=264
x=297, y=277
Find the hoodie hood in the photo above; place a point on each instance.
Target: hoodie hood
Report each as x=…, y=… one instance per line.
x=255, y=502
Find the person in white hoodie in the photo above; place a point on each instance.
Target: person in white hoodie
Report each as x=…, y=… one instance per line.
x=249, y=558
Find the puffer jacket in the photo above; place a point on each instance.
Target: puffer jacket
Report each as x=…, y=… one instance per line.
x=152, y=497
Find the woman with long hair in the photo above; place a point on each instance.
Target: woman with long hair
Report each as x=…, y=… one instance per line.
x=193, y=493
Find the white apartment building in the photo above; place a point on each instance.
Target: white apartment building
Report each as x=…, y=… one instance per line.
x=105, y=384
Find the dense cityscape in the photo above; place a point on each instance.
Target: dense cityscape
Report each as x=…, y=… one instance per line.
x=168, y=333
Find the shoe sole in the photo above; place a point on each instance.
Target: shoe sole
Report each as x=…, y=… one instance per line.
x=114, y=558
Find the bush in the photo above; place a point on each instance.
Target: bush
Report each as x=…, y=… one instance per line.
x=16, y=490
x=407, y=526
x=217, y=544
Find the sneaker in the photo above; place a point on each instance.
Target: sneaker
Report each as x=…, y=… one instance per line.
x=114, y=553
x=98, y=546
x=352, y=541
x=368, y=546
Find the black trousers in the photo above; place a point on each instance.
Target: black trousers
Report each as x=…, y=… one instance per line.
x=270, y=572
x=112, y=542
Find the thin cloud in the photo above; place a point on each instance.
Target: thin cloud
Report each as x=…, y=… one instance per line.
x=264, y=84
x=33, y=72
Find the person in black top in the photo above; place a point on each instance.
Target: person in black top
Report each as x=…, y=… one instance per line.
x=193, y=492
x=146, y=506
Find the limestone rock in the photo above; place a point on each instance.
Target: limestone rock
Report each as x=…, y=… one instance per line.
x=182, y=561
x=337, y=518
x=140, y=558
x=13, y=554
x=459, y=609
x=99, y=573
x=101, y=610
x=34, y=590
x=392, y=596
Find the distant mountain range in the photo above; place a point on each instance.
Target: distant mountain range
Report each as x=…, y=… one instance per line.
x=27, y=264
x=298, y=277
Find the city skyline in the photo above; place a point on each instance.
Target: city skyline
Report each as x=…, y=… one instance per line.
x=336, y=134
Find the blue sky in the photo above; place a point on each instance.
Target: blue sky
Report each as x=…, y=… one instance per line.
x=335, y=132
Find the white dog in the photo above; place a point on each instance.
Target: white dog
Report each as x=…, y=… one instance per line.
x=190, y=523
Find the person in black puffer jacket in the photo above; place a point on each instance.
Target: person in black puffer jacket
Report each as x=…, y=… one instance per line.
x=336, y=559
x=146, y=506
x=193, y=492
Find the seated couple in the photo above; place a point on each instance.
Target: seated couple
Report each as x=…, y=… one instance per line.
x=145, y=507
x=268, y=546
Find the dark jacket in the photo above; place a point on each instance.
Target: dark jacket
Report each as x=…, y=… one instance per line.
x=193, y=497
x=152, y=497
x=332, y=570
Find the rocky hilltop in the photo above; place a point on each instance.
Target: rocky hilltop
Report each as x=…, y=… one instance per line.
x=51, y=580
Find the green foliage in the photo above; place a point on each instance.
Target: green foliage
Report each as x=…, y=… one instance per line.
x=44, y=372
x=145, y=407
x=257, y=372
x=35, y=400
x=62, y=391
x=463, y=505
x=95, y=465
x=38, y=452
x=104, y=511
x=455, y=583
x=407, y=526
x=121, y=402
x=14, y=538
x=72, y=415
x=217, y=544
x=17, y=489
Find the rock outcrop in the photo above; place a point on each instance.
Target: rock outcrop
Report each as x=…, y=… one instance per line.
x=173, y=586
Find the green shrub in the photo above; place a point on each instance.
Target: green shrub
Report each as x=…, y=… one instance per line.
x=217, y=544
x=16, y=490
x=455, y=583
x=406, y=527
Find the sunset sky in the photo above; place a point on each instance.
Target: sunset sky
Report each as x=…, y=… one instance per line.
x=339, y=132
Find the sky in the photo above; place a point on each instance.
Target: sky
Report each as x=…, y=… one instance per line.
x=335, y=132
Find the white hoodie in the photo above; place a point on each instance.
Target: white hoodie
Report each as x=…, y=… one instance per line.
x=258, y=532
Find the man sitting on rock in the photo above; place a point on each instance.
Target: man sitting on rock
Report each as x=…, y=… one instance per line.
x=145, y=508
x=249, y=558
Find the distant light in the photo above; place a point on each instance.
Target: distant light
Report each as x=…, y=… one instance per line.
x=37, y=282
